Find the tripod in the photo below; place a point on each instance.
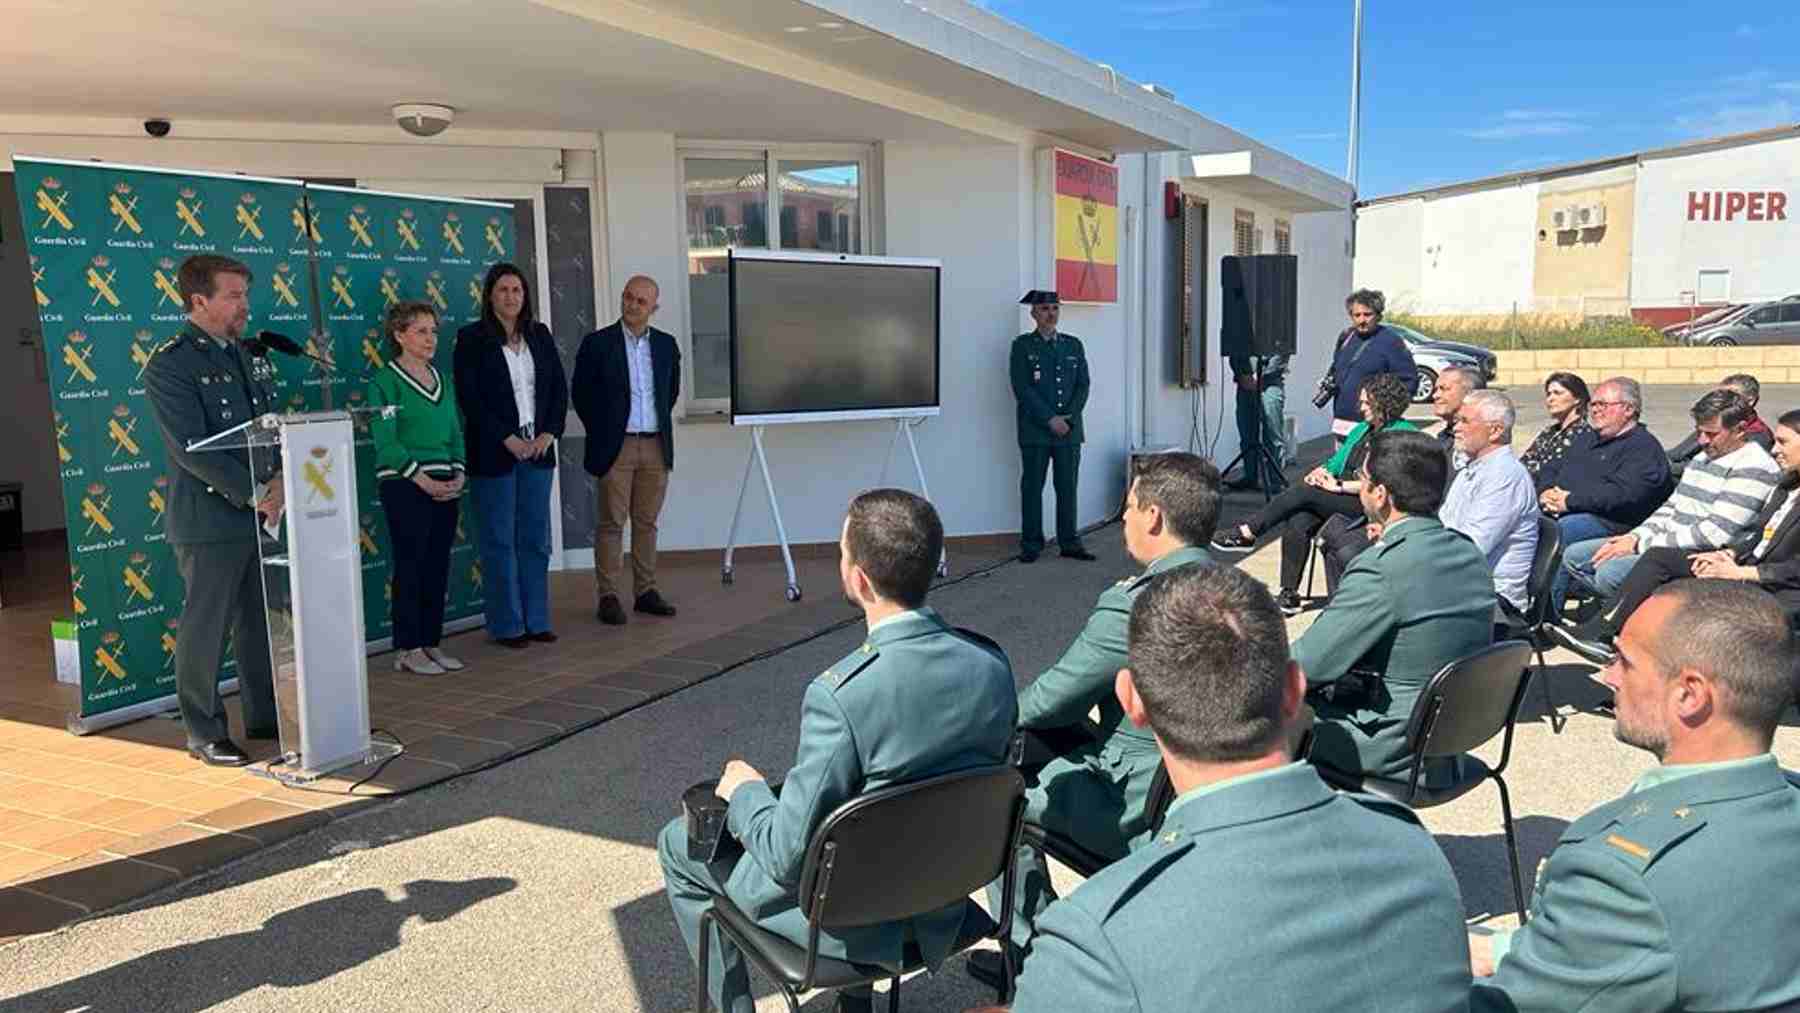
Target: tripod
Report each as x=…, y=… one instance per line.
x=1270, y=480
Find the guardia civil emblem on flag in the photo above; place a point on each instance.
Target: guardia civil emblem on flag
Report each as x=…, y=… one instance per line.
x=1087, y=229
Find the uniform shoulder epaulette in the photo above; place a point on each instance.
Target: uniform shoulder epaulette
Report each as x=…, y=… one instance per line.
x=1384, y=806
x=846, y=669
x=980, y=639
x=1645, y=831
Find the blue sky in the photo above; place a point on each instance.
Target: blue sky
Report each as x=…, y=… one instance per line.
x=1453, y=89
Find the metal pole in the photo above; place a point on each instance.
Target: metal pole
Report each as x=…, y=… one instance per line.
x=1355, y=94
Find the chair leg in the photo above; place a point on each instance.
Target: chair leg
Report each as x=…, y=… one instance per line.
x=1312, y=559
x=1008, y=972
x=1512, y=849
x=894, y=994
x=702, y=1001
x=1543, y=678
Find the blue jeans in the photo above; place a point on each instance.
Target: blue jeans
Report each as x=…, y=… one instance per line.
x=1603, y=580
x=1270, y=404
x=1576, y=528
x=512, y=515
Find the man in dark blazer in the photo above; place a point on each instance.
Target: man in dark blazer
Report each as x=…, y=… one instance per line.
x=627, y=377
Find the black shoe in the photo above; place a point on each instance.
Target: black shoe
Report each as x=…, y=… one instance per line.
x=542, y=637
x=1233, y=540
x=1028, y=556
x=1290, y=603
x=223, y=753
x=984, y=966
x=1078, y=552
x=653, y=603
x=610, y=611
x=514, y=642
x=1592, y=640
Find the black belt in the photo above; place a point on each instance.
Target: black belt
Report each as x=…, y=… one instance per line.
x=643, y=434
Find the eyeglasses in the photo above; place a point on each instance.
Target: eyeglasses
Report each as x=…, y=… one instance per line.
x=1606, y=404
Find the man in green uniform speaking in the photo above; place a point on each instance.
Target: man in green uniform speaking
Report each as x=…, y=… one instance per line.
x=915, y=699
x=1050, y=381
x=1094, y=791
x=1264, y=889
x=201, y=384
x=1680, y=895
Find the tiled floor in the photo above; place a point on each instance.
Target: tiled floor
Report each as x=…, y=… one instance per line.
x=90, y=822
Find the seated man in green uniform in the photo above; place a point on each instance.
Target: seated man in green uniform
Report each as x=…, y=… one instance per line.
x=1417, y=599
x=1264, y=889
x=916, y=698
x=1094, y=791
x=1680, y=895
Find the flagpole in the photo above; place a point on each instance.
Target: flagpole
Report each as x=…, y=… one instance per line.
x=1355, y=95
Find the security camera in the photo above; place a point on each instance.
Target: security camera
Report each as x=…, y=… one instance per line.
x=423, y=119
x=157, y=128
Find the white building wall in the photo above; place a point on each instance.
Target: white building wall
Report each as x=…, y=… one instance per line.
x=1390, y=252
x=1478, y=251
x=1670, y=251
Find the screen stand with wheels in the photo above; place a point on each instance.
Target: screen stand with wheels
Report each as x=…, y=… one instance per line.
x=759, y=459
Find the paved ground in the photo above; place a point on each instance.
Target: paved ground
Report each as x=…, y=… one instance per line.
x=534, y=886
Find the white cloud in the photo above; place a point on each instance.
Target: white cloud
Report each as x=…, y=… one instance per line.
x=1513, y=124
x=1738, y=118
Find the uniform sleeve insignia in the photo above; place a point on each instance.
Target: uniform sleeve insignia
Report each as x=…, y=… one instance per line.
x=1632, y=848
x=1683, y=813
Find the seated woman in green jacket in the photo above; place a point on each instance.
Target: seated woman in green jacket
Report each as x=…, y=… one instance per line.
x=1326, y=491
x=419, y=463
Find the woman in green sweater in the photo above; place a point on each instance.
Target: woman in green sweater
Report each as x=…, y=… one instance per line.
x=419, y=464
x=1327, y=490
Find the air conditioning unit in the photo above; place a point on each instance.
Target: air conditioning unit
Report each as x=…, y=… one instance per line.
x=1590, y=216
x=1563, y=219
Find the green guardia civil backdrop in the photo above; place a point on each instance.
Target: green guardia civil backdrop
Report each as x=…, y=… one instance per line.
x=105, y=243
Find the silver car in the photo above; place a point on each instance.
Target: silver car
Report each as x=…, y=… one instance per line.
x=1770, y=323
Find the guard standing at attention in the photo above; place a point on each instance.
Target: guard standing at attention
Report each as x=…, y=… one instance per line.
x=201, y=384
x=1050, y=381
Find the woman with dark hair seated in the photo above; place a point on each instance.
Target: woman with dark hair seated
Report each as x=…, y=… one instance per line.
x=1566, y=399
x=1772, y=561
x=1327, y=491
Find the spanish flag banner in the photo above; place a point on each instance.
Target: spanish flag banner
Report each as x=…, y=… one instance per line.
x=1087, y=229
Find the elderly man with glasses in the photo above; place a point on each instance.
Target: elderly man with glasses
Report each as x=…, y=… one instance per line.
x=1614, y=476
x=1492, y=499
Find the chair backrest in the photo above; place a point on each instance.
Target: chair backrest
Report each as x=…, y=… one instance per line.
x=1544, y=564
x=1470, y=700
x=912, y=848
x=1162, y=795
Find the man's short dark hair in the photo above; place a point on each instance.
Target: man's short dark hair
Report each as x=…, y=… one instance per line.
x=1750, y=386
x=1186, y=488
x=1209, y=657
x=1728, y=406
x=199, y=275
x=897, y=539
x=1412, y=467
x=1370, y=299
x=1738, y=635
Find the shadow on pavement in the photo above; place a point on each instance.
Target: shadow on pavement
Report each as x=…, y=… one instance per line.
x=1481, y=866
x=294, y=948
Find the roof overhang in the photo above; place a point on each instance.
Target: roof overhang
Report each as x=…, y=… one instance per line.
x=1268, y=178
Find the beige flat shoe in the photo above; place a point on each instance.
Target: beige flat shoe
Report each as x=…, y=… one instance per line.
x=445, y=661
x=417, y=662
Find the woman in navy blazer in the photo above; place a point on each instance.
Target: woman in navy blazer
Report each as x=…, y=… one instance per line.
x=513, y=395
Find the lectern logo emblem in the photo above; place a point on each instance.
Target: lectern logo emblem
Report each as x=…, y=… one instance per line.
x=110, y=656
x=136, y=576
x=317, y=473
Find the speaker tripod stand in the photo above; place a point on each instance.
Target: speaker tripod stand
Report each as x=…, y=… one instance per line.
x=1269, y=477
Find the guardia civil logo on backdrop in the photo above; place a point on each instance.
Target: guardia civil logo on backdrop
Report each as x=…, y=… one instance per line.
x=105, y=245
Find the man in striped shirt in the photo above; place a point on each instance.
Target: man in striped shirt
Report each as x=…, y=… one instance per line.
x=1714, y=507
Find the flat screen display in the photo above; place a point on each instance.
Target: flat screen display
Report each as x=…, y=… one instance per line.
x=820, y=337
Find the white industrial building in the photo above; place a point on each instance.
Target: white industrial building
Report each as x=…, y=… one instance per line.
x=935, y=123
x=1649, y=234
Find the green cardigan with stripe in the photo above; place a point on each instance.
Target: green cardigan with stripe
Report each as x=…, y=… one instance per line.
x=424, y=435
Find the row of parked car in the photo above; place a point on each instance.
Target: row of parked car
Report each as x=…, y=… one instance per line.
x=1768, y=323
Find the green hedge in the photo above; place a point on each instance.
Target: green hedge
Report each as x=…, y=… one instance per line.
x=1529, y=332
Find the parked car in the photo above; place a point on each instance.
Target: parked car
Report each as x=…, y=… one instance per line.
x=1433, y=357
x=1770, y=323
x=1716, y=315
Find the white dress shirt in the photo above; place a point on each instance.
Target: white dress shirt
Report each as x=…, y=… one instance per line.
x=523, y=370
x=1493, y=501
x=643, y=382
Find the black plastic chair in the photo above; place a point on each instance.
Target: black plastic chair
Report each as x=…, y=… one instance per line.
x=1085, y=862
x=1534, y=623
x=1467, y=702
x=886, y=856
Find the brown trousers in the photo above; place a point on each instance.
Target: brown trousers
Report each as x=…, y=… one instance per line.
x=631, y=490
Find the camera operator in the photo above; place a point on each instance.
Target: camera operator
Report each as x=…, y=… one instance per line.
x=1365, y=348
